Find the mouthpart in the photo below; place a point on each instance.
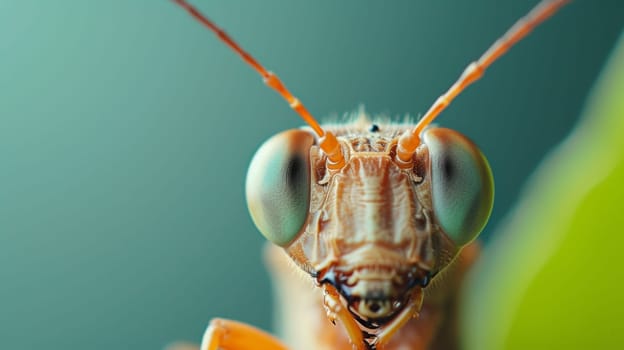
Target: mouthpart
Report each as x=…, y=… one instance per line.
x=375, y=294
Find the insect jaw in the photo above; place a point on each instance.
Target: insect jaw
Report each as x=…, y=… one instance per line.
x=375, y=294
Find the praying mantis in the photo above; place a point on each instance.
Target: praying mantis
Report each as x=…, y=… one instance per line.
x=379, y=217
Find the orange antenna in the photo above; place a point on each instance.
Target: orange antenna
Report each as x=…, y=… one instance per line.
x=411, y=138
x=328, y=142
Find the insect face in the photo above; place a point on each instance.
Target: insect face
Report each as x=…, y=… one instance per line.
x=373, y=230
x=373, y=213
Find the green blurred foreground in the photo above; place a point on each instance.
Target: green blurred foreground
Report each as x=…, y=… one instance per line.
x=553, y=279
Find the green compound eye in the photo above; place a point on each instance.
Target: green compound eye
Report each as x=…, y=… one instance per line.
x=278, y=185
x=461, y=183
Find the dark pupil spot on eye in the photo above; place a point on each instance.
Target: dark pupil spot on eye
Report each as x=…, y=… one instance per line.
x=293, y=172
x=374, y=128
x=449, y=168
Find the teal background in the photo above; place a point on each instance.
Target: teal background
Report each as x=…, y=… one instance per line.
x=126, y=129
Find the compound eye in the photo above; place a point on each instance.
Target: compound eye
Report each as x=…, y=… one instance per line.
x=278, y=185
x=461, y=183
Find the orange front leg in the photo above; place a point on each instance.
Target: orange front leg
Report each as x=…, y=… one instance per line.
x=232, y=335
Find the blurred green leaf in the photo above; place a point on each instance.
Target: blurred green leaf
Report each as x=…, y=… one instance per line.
x=553, y=279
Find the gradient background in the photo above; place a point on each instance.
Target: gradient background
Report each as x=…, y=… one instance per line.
x=127, y=129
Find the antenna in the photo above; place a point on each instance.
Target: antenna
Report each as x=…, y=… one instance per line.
x=327, y=141
x=409, y=141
